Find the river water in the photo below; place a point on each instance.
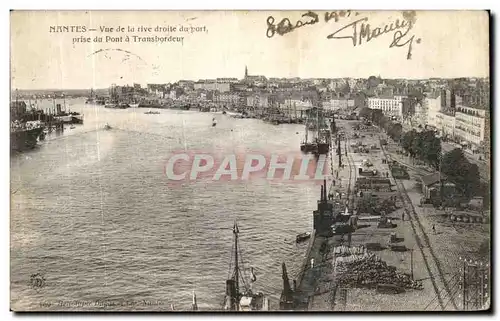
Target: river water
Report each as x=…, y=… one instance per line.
x=93, y=212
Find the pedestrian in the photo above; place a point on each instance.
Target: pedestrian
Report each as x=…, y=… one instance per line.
x=403, y=216
x=433, y=229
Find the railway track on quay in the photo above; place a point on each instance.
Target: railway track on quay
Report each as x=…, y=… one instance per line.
x=423, y=242
x=352, y=175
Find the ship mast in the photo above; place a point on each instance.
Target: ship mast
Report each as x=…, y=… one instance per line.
x=317, y=124
x=307, y=129
x=236, y=267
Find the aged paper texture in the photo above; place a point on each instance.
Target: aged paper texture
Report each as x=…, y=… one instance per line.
x=250, y=161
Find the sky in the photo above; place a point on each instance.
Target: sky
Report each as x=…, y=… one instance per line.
x=450, y=44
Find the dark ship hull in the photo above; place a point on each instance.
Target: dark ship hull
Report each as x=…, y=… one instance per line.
x=25, y=139
x=76, y=120
x=315, y=148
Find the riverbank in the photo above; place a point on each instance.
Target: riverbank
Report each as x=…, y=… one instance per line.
x=429, y=249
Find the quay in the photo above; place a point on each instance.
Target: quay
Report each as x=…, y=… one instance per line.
x=371, y=248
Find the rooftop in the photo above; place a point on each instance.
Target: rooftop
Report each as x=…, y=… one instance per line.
x=432, y=179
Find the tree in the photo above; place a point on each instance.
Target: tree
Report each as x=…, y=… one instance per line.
x=461, y=172
x=383, y=122
x=395, y=131
x=373, y=81
x=366, y=113
x=472, y=180
x=407, y=142
x=430, y=148
x=451, y=161
x=377, y=116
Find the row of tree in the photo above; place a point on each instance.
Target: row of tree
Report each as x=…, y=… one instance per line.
x=393, y=129
x=426, y=146
x=423, y=145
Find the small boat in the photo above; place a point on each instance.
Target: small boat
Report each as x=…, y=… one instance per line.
x=150, y=112
x=136, y=105
x=302, y=237
x=214, y=122
x=107, y=127
x=224, y=112
x=72, y=127
x=109, y=104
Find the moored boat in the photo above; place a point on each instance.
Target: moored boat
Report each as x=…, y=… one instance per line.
x=239, y=295
x=109, y=104
x=302, y=237
x=22, y=139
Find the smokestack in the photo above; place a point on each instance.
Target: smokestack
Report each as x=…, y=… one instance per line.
x=325, y=196
x=321, y=196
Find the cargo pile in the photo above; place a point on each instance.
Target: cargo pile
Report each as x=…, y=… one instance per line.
x=343, y=250
x=364, y=269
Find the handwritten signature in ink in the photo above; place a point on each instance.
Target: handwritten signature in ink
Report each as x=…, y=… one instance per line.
x=361, y=32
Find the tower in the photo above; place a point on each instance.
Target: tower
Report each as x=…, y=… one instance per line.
x=246, y=72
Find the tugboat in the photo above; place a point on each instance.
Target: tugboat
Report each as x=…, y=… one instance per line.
x=239, y=296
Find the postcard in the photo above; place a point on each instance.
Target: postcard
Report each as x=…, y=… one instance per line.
x=246, y=161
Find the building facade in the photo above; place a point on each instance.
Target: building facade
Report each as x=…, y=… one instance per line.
x=336, y=104
x=258, y=101
x=432, y=104
x=470, y=125
x=390, y=106
x=212, y=85
x=228, y=98
x=445, y=124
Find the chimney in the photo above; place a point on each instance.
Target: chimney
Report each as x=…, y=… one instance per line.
x=325, y=197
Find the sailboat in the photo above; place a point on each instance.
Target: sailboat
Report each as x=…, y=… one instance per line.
x=91, y=99
x=239, y=295
x=321, y=143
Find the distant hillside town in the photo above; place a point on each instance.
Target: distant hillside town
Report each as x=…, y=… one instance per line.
x=457, y=109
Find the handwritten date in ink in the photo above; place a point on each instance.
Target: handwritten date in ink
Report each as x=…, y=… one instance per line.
x=309, y=18
x=285, y=26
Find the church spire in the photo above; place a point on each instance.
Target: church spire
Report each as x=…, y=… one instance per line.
x=246, y=72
